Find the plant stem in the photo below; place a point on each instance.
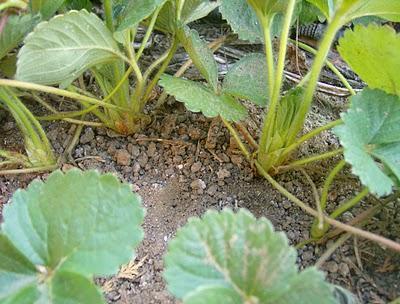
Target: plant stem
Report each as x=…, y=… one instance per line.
x=310, y=135
x=328, y=64
x=162, y=69
x=52, y=90
x=318, y=157
x=328, y=182
x=148, y=32
x=108, y=15
x=29, y=170
x=269, y=123
x=14, y=3
x=318, y=64
x=349, y=204
x=353, y=230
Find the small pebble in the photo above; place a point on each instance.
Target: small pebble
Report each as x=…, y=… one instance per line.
x=198, y=184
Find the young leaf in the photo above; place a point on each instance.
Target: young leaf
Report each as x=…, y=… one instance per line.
x=201, y=55
x=248, y=79
x=14, y=32
x=370, y=136
x=46, y=8
x=134, y=11
x=58, y=233
x=240, y=258
x=245, y=23
x=58, y=51
x=373, y=53
x=192, y=10
x=199, y=98
x=349, y=10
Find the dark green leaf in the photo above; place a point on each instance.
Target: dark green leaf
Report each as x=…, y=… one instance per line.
x=373, y=53
x=201, y=55
x=248, y=79
x=59, y=51
x=242, y=258
x=371, y=139
x=199, y=98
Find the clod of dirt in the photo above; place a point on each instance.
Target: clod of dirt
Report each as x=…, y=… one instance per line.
x=87, y=137
x=123, y=157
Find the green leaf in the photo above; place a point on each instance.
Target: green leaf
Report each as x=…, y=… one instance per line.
x=199, y=98
x=200, y=54
x=14, y=32
x=196, y=9
x=241, y=258
x=78, y=4
x=134, y=11
x=47, y=8
x=245, y=23
x=192, y=10
x=373, y=53
x=17, y=273
x=370, y=136
x=268, y=8
x=348, y=10
x=59, y=51
x=68, y=287
x=73, y=222
x=248, y=79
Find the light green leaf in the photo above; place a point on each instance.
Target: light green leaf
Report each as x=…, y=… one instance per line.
x=200, y=54
x=373, y=53
x=68, y=287
x=245, y=23
x=371, y=139
x=59, y=51
x=73, y=222
x=268, y=8
x=241, y=257
x=47, y=8
x=199, y=98
x=348, y=10
x=14, y=32
x=248, y=79
x=134, y=11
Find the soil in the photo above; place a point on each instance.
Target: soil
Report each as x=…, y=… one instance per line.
x=184, y=164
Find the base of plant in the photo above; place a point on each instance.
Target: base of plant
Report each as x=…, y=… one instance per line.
x=128, y=124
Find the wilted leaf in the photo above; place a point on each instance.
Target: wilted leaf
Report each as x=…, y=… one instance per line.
x=370, y=136
x=59, y=233
x=58, y=51
x=373, y=53
x=248, y=79
x=200, y=54
x=14, y=32
x=240, y=258
x=199, y=98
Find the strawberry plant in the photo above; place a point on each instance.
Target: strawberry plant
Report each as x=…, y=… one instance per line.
x=57, y=234
x=57, y=52
x=372, y=150
x=235, y=258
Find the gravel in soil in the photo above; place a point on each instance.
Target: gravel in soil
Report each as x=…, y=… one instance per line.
x=185, y=164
